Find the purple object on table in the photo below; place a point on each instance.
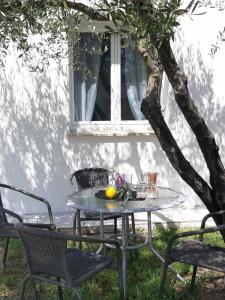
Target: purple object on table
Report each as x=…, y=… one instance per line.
x=120, y=180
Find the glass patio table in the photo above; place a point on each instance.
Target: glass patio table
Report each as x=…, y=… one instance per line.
x=87, y=200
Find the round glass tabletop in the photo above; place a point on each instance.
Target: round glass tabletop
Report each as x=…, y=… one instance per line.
x=87, y=201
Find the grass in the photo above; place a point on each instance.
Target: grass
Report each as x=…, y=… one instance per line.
x=142, y=282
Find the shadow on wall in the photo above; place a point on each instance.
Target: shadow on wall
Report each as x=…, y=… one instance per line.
x=202, y=86
x=33, y=125
x=37, y=155
x=135, y=155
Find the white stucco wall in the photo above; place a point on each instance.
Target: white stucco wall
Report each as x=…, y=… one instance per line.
x=38, y=155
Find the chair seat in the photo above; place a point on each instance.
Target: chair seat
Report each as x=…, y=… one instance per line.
x=197, y=253
x=8, y=231
x=83, y=265
x=92, y=215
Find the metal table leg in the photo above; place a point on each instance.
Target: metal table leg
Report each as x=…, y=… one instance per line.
x=101, y=232
x=156, y=253
x=124, y=251
x=79, y=226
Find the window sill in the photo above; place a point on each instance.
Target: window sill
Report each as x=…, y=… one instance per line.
x=111, y=130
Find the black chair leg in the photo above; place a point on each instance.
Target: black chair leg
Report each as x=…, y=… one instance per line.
x=60, y=293
x=36, y=295
x=6, y=247
x=115, y=225
x=74, y=226
x=193, y=278
x=133, y=223
x=75, y=223
x=22, y=288
x=120, y=277
x=163, y=280
x=79, y=227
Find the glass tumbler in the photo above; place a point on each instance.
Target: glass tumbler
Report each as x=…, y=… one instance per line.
x=152, y=188
x=141, y=189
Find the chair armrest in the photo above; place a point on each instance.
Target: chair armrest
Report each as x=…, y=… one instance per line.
x=210, y=215
x=51, y=227
x=193, y=232
x=206, y=217
x=9, y=212
x=99, y=240
x=114, y=242
x=28, y=194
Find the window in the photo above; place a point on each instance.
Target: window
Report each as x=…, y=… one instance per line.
x=92, y=80
x=134, y=77
x=108, y=87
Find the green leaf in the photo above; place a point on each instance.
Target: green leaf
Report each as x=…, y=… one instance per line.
x=179, y=12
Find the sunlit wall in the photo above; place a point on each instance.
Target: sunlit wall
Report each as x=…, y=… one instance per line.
x=38, y=154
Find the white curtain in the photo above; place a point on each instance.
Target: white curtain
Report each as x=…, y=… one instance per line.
x=86, y=83
x=136, y=80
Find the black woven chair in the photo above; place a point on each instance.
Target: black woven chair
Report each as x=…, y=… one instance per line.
x=49, y=260
x=195, y=252
x=7, y=230
x=88, y=178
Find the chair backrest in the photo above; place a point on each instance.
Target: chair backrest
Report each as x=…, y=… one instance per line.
x=45, y=251
x=91, y=177
x=3, y=214
x=3, y=218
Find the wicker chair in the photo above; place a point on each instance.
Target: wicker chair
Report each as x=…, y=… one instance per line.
x=49, y=260
x=7, y=230
x=88, y=178
x=195, y=252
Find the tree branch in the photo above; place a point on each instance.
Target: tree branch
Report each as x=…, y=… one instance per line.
x=205, y=139
x=151, y=108
x=87, y=10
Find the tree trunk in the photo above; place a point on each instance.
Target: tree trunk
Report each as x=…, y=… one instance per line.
x=212, y=196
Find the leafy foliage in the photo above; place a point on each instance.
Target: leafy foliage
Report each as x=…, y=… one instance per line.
x=42, y=29
x=220, y=5
x=48, y=29
x=124, y=193
x=150, y=21
x=36, y=28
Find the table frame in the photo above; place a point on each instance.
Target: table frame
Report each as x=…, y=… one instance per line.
x=124, y=242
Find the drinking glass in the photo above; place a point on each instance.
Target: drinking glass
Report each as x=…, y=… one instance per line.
x=152, y=177
x=152, y=188
x=141, y=189
x=123, y=178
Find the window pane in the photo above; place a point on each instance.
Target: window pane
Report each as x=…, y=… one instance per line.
x=92, y=78
x=134, y=76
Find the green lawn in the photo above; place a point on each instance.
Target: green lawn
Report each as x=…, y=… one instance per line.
x=142, y=283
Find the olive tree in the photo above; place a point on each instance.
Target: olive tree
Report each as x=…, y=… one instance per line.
x=153, y=22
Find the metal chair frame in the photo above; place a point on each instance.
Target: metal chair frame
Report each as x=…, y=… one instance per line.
x=49, y=260
x=194, y=259
x=7, y=229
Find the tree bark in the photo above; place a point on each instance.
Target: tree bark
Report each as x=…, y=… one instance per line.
x=151, y=108
x=205, y=139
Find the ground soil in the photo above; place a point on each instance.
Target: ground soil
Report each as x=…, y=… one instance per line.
x=214, y=290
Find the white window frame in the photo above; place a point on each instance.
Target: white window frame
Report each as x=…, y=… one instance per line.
x=116, y=126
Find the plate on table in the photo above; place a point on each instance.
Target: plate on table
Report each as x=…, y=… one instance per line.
x=101, y=195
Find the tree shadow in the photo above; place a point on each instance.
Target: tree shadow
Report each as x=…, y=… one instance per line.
x=38, y=154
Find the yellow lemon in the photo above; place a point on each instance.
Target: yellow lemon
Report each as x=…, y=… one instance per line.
x=111, y=192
